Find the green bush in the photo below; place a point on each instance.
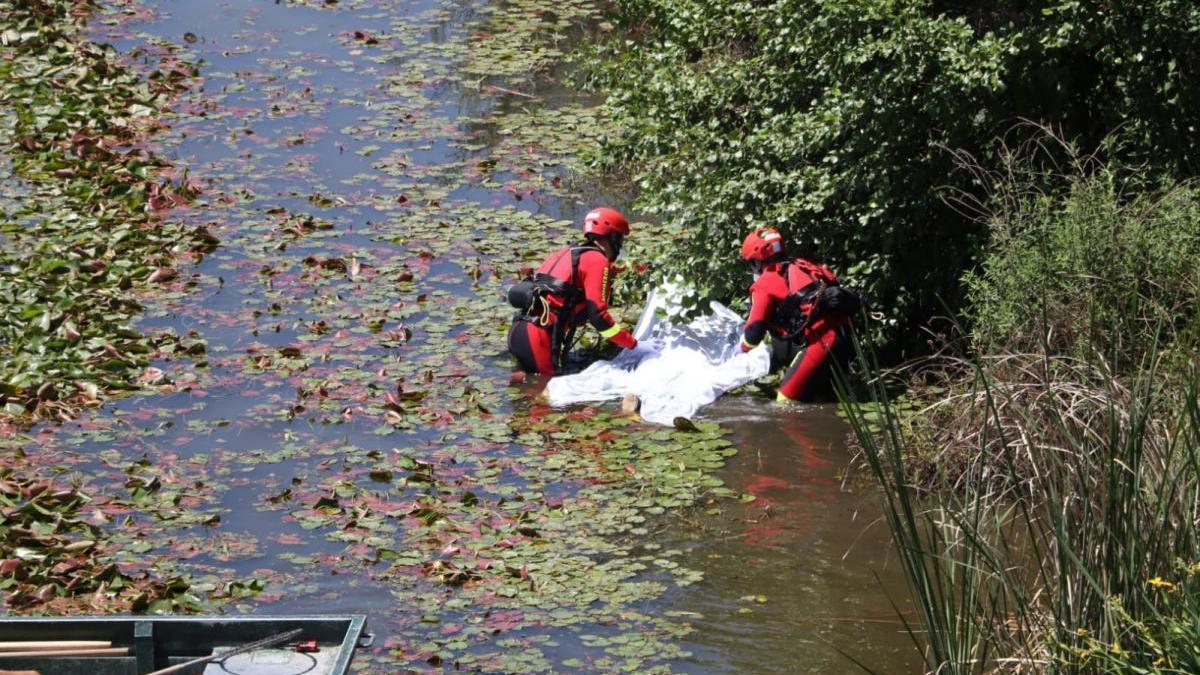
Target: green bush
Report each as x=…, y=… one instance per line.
x=830, y=120
x=1091, y=269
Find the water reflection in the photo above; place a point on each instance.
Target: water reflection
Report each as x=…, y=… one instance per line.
x=784, y=483
x=804, y=570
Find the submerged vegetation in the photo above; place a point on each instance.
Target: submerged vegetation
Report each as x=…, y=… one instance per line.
x=82, y=232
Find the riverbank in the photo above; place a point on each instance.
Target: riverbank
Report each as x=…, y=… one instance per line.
x=1015, y=190
x=1045, y=489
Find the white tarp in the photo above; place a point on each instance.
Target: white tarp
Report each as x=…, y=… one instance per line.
x=699, y=361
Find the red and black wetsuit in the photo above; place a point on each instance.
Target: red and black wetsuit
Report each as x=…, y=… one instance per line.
x=823, y=341
x=536, y=340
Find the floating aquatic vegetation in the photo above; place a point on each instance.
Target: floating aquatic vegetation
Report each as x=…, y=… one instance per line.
x=53, y=560
x=88, y=233
x=521, y=39
x=343, y=423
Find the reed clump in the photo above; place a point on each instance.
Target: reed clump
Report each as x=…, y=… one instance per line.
x=1044, y=493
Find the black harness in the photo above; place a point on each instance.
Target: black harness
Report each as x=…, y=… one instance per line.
x=547, y=300
x=822, y=297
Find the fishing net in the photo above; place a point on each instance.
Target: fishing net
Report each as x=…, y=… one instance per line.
x=698, y=361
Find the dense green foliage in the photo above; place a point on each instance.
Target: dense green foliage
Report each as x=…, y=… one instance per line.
x=832, y=120
x=82, y=229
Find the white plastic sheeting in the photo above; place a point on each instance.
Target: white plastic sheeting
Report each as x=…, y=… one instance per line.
x=698, y=362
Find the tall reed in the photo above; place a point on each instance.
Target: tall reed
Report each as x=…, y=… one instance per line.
x=1068, y=542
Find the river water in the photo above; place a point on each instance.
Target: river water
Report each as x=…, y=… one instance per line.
x=343, y=435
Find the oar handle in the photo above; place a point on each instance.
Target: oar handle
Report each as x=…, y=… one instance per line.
x=43, y=653
x=36, y=645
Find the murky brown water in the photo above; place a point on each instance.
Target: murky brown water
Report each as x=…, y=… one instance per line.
x=801, y=573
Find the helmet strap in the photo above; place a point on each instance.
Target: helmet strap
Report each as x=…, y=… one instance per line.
x=606, y=244
x=610, y=249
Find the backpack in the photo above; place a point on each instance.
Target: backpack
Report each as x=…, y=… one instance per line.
x=541, y=295
x=824, y=297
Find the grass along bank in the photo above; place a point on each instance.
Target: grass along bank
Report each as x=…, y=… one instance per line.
x=1045, y=494
x=85, y=233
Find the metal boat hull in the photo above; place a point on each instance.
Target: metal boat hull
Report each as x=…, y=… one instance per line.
x=157, y=642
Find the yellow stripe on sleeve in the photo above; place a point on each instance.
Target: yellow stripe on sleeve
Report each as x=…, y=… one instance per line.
x=609, y=332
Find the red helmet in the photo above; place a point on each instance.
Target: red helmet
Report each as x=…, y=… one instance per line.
x=604, y=221
x=762, y=245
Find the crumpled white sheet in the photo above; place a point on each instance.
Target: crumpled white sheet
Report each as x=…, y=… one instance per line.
x=699, y=361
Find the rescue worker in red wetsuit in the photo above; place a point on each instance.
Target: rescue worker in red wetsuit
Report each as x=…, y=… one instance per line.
x=811, y=343
x=575, y=285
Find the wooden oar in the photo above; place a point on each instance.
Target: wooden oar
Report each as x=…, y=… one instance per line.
x=249, y=647
x=37, y=645
x=42, y=653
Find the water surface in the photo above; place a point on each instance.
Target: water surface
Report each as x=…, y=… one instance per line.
x=344, y=436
